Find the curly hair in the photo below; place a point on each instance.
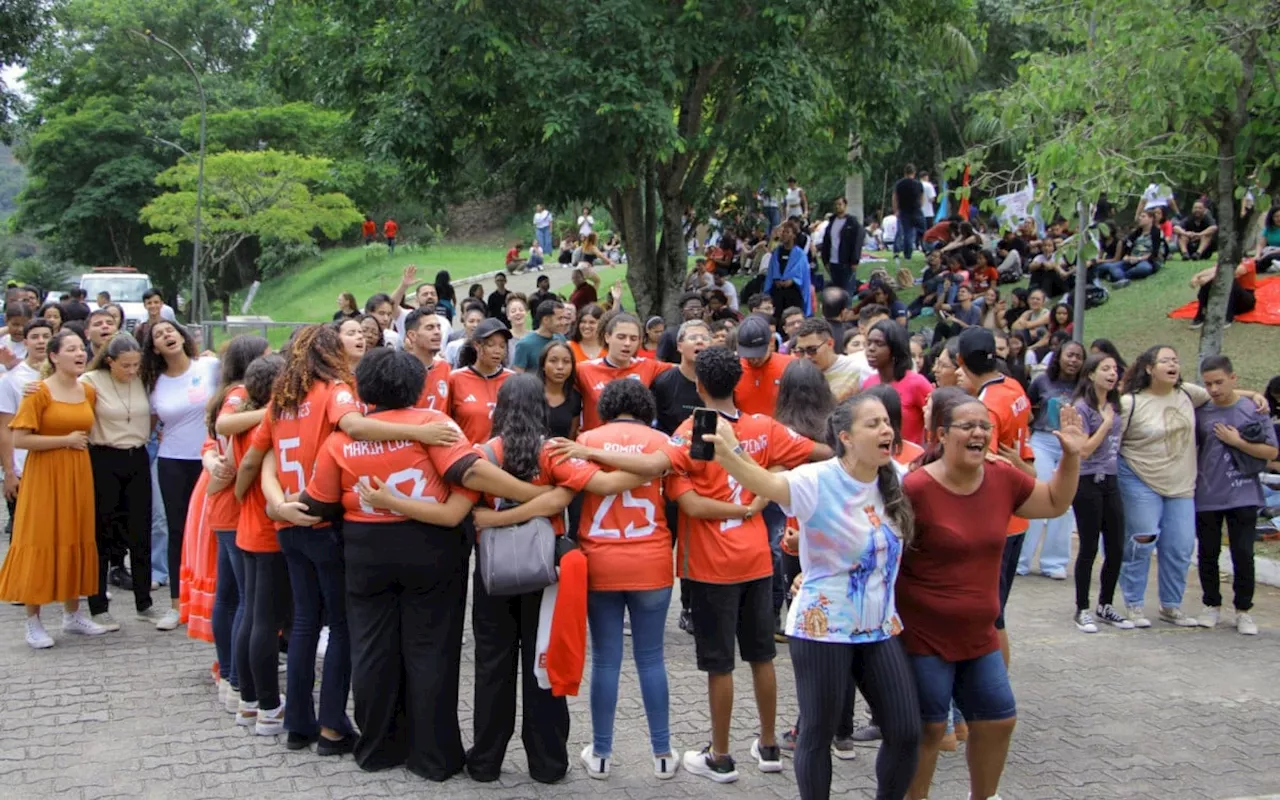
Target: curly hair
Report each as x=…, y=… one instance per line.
x=316, y=355
x=389, y=379
x=153, y=364
x=520, y=421
x=626, y=397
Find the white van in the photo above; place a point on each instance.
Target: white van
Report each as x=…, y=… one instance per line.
x=125, y=285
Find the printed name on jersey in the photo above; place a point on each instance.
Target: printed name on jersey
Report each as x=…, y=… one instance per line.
x=358, y=448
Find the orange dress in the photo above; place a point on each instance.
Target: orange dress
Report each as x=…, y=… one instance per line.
x=53, y=556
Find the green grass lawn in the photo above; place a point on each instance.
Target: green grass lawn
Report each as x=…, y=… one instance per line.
x=1135, y=317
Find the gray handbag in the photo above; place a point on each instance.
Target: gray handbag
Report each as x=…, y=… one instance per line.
x=516, y=559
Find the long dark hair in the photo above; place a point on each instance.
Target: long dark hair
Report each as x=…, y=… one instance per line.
x=1273, y=395
x=899, y=343
x=1136, y=378
x=520, y=420
x=1054, y=370
x=444, y=287
x=804, y=399
x=1084, y=386
x=240, y=353
x=589, y=310
x=896, y=504
x=571, y=382
x=153, y=364
x=1106, y=346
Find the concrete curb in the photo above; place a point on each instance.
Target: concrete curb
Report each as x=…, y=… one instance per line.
x=1267, y=572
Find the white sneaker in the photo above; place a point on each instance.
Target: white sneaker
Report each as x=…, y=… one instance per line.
x=1055, y=574
x=107, y=621
x=170, y=621
x=720, y=769
x=1245, y=624
x=769, y=759
x=664, y=767
x=81, y=625
x=1084, y=622
x=1138, y=617
x=322, y=646
x=232, y=703
x=1209, y=616
x=270, y=723
x=224, y=689
x=597, y=767
x=37, y=637
x=1175, y=616
x=246, y=714
x=152, y=614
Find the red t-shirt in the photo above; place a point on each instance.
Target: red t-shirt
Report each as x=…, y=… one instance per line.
x=223, y=511
x=1249, y=280
x=255, y=531
x=594, y=375
x=369, y=227
x=757, y=389
x=1010, y=413
x=297, y=437
x=913, y=390
x=513, y=255
x=572, y=474
x=730, y=550
x=938, y=233
x=411, y=469
x=583, y=295
x=472, y=398
x=983, y=279
x=390, y=229
x=435, y=387
x=625, y=537
x=948, y=590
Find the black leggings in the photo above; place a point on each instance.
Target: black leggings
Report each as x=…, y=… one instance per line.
x=881, y=671
x=1099, y=513
x=257, y=649
x=122, y=505
x=178, y=478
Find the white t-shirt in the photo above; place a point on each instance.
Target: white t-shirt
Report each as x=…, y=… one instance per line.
x=11, y=386
x=586, y=225
x=1153, y=197
x=180, y=403
x=730, y=293
x=19, y=349
x=930, y=194
x=849, y=555
x=542, y=219
x=846, y=374
x=889, y=228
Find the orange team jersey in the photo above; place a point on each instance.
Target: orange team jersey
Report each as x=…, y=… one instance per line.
x=730, y=550
x=255, y=531
x=369, y=227
x=435, y=388
x=625, y=536
x=572, y=474
x=411, y=469
x=297, y=437
x=472, y=397
x=1010, y=413
x=757, y=390
x=390, y=229
x=223, y=510
x=594, y=375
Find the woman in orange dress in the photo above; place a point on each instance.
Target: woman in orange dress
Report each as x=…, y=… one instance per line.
x=53, y=556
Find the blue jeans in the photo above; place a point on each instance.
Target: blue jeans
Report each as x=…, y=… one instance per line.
x=159, y=522
x=1122, y=270
x=1056, y=532
x=648, y=612
x=544, y=238
x=910, y=230
x=1170, y=522
x=317, y=576
x=776, y=523
x=228, y=604
x=979, y=686
x=773, y=218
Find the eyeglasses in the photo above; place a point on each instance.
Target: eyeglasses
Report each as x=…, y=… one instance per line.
x=696, y=338
x=1173, y=361
x=970, y=427
x=808, y=352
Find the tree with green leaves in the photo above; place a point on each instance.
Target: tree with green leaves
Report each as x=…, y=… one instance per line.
x=641, y=104
x=264, y=195
x=1179, y=93
x=20, y=24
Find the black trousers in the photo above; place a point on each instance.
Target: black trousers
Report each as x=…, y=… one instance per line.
x=178, y=478
x=267, y=598
x=406, y=601
x=1240, y=536
x=882, y=672
x=1240, y=301
x=1099, y=515
x=122, y=508
x=506, y=634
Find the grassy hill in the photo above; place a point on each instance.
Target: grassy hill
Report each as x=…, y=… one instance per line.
x=1135, y=318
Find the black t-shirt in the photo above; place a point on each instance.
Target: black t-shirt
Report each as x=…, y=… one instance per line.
x=910, y=194
x=560, y=418
x=1198, y=225
x=676, y=398
x=668, y=346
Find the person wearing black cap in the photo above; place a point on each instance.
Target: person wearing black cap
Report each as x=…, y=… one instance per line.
x=473, y=389
x=1010, y=411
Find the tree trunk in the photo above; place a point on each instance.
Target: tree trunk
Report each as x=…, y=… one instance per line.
x=653, y=233
x=853, y=193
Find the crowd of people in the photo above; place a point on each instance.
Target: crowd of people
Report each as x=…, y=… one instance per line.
x=824, y=478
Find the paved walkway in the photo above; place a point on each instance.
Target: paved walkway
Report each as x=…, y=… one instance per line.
x=1164, y=713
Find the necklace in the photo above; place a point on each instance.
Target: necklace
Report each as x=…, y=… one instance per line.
x=128, y=403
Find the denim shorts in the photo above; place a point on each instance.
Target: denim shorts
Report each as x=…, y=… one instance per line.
x=979, y=686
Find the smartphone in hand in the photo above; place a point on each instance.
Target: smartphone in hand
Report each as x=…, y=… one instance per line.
x=704, y=422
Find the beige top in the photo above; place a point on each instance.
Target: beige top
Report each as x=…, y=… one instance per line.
x=1158, y=439
x=122, y=414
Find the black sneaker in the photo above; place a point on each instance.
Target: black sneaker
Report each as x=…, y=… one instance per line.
x=1197, y=324
x=769, y=759
x=119, y=576
x=867, y=733
x=720, y=769
x=686, y=621
x=336, y=747
x=298, y=741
